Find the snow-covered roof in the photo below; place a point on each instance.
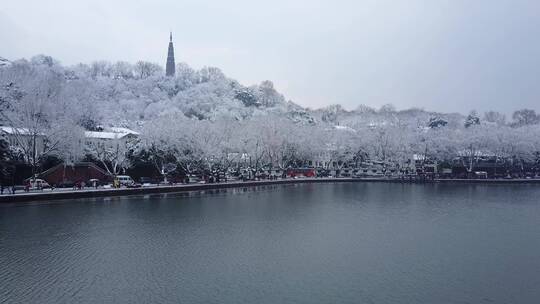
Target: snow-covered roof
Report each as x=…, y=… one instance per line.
x=105, y=135
x=16, y=131
x=11, y=130
x=111, y=133
x=122, y=130
x=344, y=128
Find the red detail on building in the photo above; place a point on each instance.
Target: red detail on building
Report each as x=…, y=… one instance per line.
x=301, y=172
x=80, y=172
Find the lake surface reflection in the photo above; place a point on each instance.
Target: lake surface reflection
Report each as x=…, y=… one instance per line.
x=311, y=243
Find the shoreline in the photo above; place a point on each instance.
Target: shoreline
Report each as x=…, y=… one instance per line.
x=91, y=193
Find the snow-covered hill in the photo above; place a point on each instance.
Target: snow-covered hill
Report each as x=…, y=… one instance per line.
x=124, y=94
x=202, y=117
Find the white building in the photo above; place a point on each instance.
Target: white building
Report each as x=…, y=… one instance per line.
x=24, y=139
x=110, y=136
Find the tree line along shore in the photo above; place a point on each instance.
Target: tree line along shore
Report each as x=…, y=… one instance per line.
x=132, y=120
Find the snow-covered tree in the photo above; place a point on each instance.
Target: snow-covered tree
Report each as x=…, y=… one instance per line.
x=39, y=116
x=525, y=117
x=203, y=122
x=472, y=119
x=495, y=117
x=113, y=150
x=145, y=69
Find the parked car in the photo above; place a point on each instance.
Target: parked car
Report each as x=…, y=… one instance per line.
x=125, y=180
x=37, y=183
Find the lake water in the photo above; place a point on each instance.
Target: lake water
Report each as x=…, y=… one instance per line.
x=311, y=243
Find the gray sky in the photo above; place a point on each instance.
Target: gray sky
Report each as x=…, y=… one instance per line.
x=453, y=55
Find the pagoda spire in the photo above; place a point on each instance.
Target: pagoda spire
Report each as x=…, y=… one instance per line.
x=170, y=66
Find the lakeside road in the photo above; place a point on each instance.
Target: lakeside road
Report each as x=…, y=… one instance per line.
x=67, y=193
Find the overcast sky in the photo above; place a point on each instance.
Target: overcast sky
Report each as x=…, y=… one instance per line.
x=454, y=55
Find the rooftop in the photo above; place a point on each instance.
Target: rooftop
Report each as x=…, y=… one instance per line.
x=111, y=133
x=17, y=131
